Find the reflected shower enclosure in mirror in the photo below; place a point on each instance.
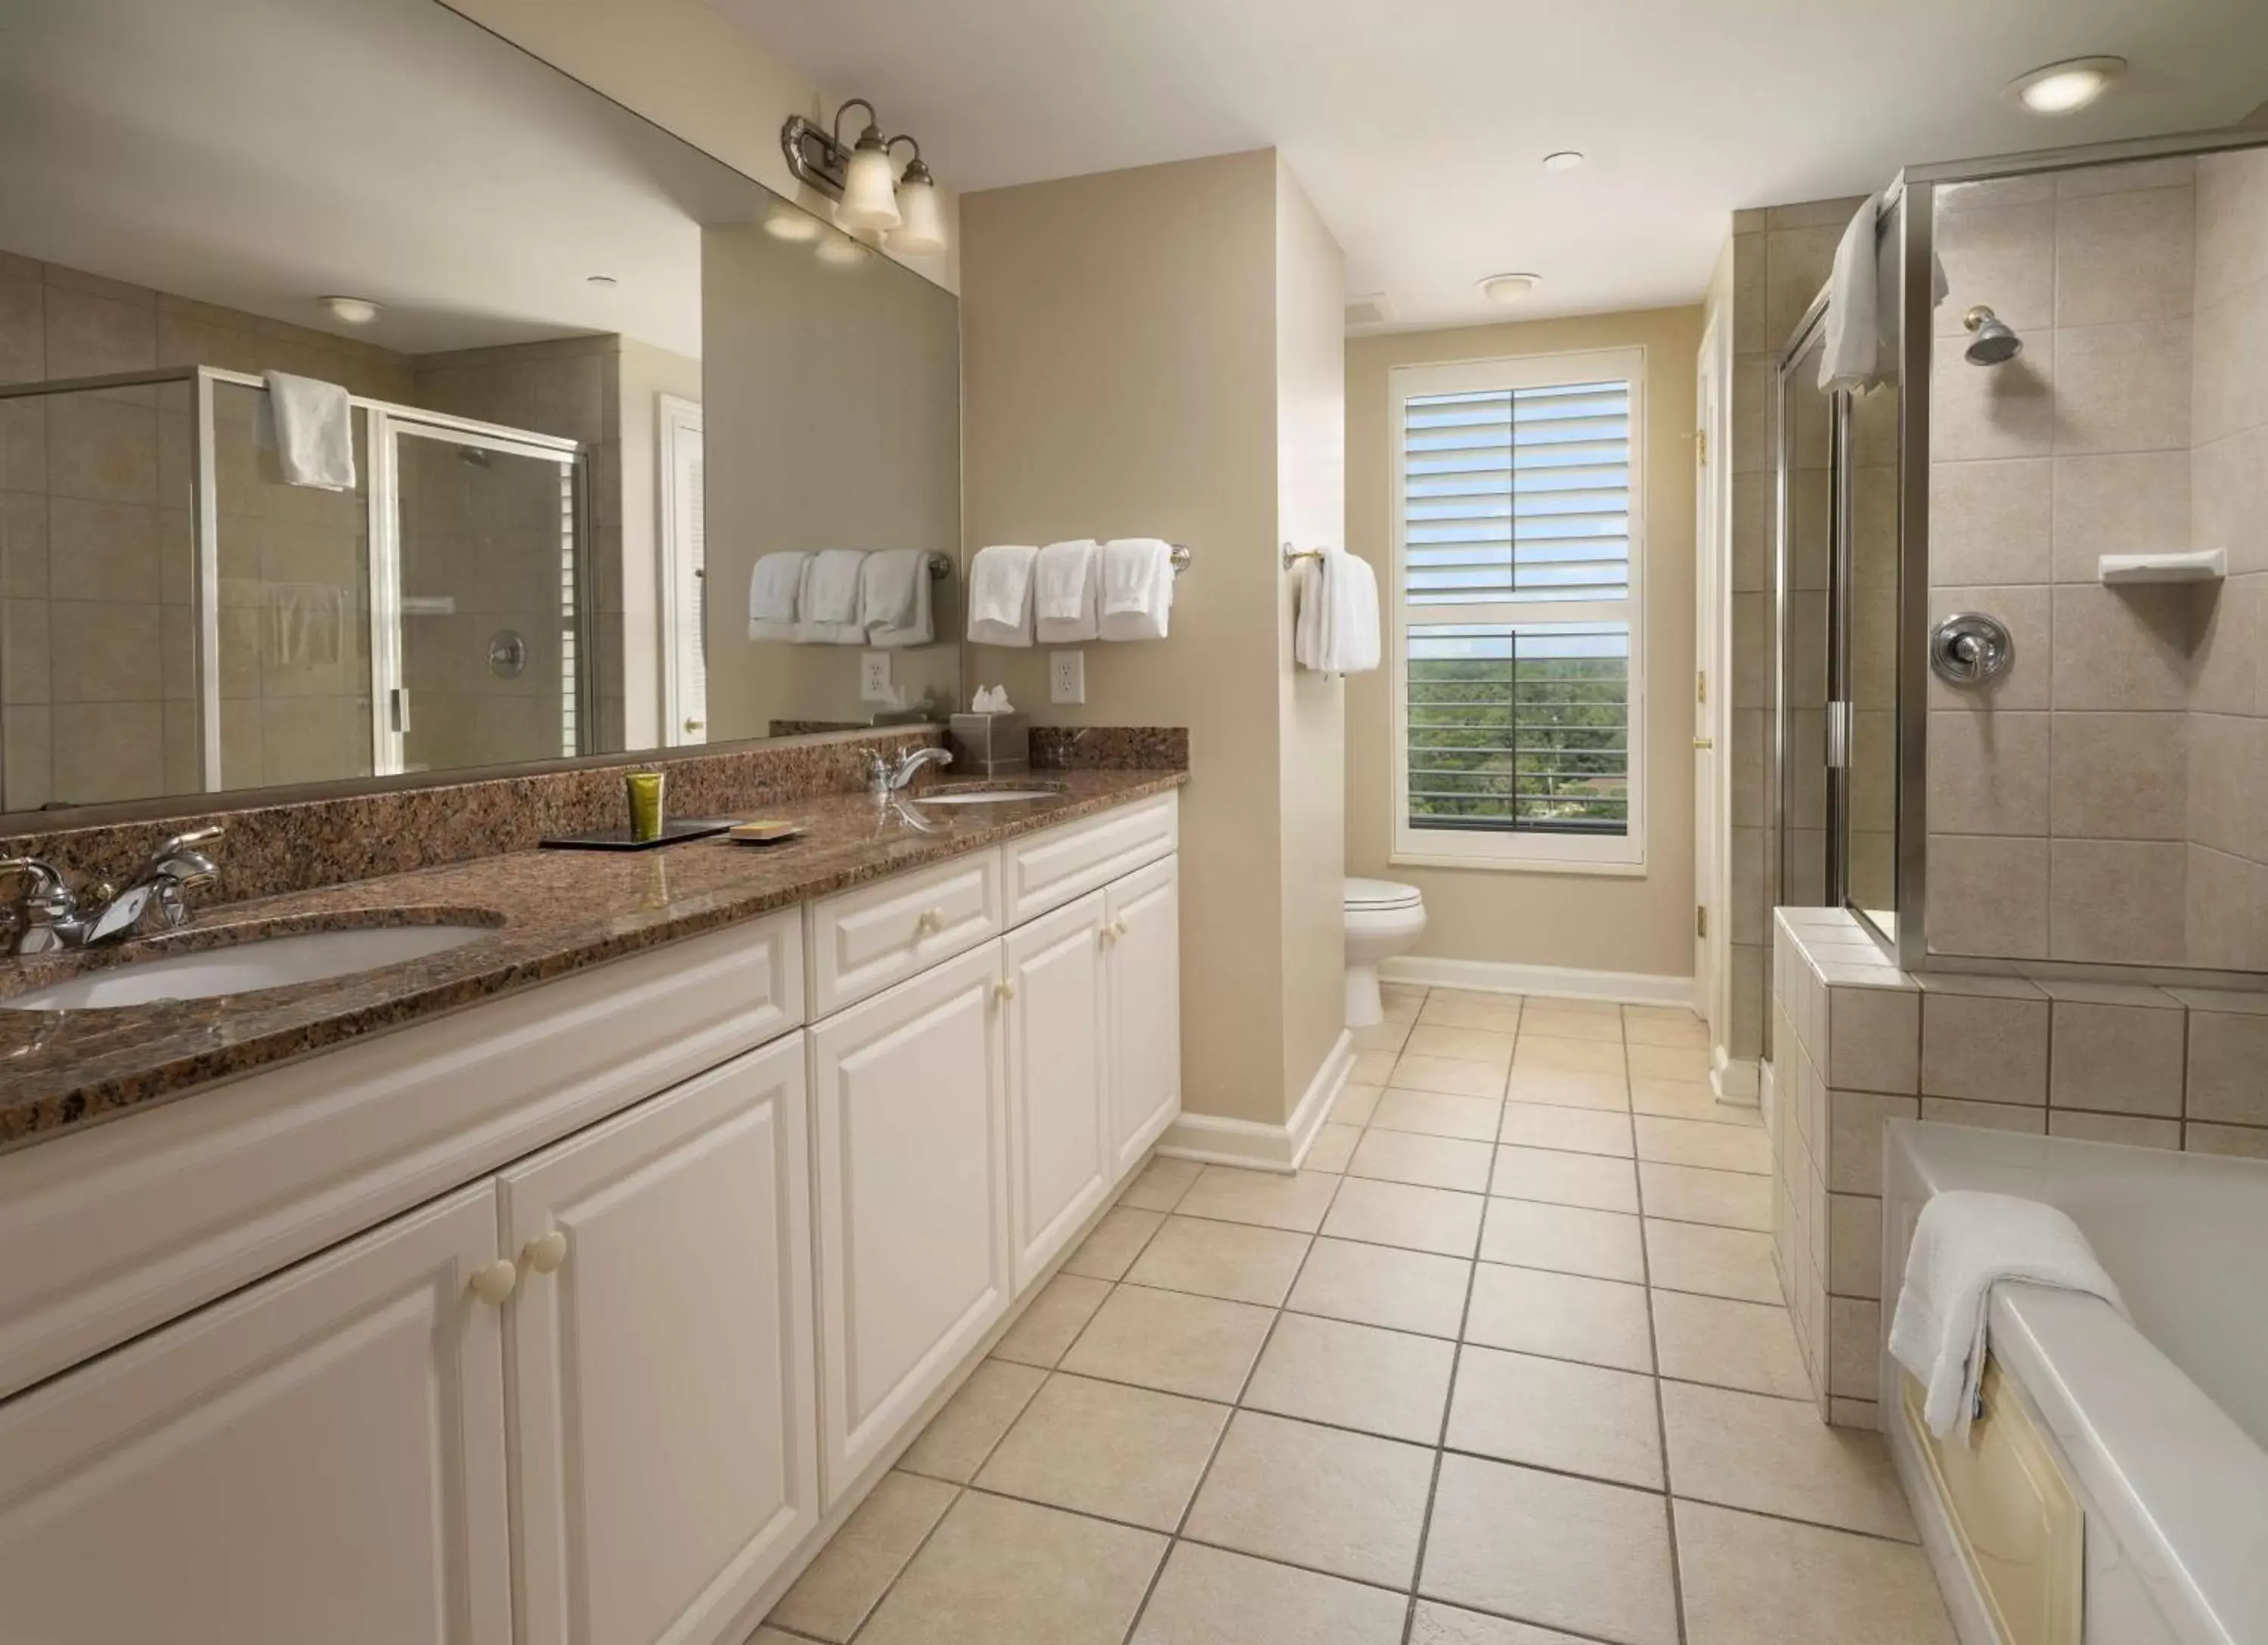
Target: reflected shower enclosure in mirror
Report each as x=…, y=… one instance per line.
x=550, y=315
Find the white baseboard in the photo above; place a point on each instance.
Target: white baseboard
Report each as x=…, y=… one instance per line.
x=1216, y=1139
x=1546, y=982
x=1734, y=1079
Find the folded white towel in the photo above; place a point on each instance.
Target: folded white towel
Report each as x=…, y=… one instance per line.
x=831, y=588
x=919, y=627
x=809, y=631
x=314, y=432
x=1964, y=1243
x=887, y=584
x=1000, y=596
x=1336, y=628
x=1852, y=344
x=1067, y=592
x=774, y=585
x=1137, y=588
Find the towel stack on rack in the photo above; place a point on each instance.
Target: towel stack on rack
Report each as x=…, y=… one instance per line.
x=1073, y=591
x=1336, y=631
x=845, y=597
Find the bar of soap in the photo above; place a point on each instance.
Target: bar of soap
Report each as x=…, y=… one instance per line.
x=763, y=831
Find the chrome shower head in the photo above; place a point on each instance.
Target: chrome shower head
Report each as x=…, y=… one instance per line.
x=1995, y=343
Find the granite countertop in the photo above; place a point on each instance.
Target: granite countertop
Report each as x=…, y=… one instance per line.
x=554, y=912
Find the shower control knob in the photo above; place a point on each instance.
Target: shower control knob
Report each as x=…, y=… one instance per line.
x=1969, y=648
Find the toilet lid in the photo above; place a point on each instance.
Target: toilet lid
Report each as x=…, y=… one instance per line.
x=1381, y=894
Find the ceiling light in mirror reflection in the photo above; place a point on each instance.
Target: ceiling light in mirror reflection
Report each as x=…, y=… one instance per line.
x=2064, y=88
x=353, y=311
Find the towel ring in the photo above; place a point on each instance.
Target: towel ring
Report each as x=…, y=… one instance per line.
x=1292, y=556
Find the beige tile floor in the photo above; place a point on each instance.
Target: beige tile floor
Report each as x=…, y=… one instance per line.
x=1505, y=1364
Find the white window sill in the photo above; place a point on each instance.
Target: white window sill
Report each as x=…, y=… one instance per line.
x=1575, y=866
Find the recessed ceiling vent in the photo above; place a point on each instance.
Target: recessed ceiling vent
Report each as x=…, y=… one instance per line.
x=1370, y=310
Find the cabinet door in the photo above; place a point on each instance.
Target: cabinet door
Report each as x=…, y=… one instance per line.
x=1059, y=1148
x=1144, y=972
x=663, y=1424
x=320, y=1456
x=910, y=1107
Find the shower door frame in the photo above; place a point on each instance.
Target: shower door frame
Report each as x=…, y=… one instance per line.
x=391, y=713
x=1916, y=187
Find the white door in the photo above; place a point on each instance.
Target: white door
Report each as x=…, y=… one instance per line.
x=909, y=1101
x=1057, y=1138
x=682, y=504
x=1712, y=578
x=1143, y=976
x=663, y=1416
x=320, y=1456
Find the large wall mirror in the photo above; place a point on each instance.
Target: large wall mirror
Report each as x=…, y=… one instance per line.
x=595, y=375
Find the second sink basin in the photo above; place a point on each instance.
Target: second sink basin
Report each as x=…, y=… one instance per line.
x=985, y=796
x=239, y=968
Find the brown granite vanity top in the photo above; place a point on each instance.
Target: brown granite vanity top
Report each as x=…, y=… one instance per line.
x=554, y=912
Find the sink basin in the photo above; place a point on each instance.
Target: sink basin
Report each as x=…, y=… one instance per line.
x=986, y=796
x=277, y=962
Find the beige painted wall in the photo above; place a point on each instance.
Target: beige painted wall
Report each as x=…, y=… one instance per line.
x=1121, y=336
x=1310, y=509
x=684, y=66
x=1589, y=922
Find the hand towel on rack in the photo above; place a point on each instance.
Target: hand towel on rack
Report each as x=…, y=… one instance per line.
x=839, y=577
x=887, y=586
x=1336, y=628
x=314, y=432
x=1852, y=342
x=774, y=586
x=1964, y=1243
x=1137, y=588
x=1000, y=596
x=918, y=625
x=1067, y=592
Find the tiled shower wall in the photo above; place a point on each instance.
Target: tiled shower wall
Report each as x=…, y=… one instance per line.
x=1780, y=259
x=96, y=676
x=1859, y=1043
x=2102, y=800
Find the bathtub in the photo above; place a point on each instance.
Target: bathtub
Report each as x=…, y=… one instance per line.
x=2145, y=1472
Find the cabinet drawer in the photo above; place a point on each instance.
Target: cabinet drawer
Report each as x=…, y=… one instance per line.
x=1045, y=870
x=863, y=941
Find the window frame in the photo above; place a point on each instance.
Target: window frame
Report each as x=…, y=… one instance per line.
x=1539, y=851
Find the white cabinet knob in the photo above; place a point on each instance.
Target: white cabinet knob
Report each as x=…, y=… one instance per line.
x=931, y=922
x=546, y=1251
x=1117, y=929
x=1004, y=992
x=492, y=1281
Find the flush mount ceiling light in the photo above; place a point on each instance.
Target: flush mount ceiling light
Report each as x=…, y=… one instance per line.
x=355, y=311
x=2061, y=88
x=863, y=181
x=1507, y=289
x=1563, y=159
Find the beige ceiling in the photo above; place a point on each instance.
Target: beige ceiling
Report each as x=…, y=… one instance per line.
x=1417, y=127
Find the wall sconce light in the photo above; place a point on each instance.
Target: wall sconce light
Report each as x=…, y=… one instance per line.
x=861, y=178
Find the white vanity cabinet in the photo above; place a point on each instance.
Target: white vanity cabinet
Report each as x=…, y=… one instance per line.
x=319, y=1457
x=1058, y=1078
x=663, y=1361
x=910, y=1101
x=1143, y=994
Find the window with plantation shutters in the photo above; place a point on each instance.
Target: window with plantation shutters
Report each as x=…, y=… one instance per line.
x=1517, y=674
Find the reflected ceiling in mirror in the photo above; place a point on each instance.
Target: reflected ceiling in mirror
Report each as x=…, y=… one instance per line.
x=548, y=315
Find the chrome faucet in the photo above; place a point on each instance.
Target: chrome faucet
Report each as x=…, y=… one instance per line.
x=50, y=917
x=885, y=778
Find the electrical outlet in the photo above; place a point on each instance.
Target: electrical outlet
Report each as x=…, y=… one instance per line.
x=1066, y=676
x=874, y=678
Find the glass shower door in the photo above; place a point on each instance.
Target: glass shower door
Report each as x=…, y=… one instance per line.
x=478, y=597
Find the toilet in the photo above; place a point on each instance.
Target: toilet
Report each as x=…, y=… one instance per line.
x=1382, y=920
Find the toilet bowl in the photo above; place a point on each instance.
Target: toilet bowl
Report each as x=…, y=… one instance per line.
x=1382, y=920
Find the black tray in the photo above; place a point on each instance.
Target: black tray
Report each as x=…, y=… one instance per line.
x=676, y=831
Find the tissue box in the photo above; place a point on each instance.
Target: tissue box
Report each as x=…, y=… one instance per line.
x=990, y=745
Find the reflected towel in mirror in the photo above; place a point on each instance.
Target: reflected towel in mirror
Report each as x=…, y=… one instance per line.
x=774, y=587
x=314, y=432
x=918, y=624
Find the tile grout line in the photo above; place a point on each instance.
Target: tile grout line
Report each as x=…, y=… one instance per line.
x=1660, y=1411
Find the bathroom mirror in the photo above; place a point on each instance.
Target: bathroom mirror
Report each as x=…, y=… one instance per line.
x=595, y=373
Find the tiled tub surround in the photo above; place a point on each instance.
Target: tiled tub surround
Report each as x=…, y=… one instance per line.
x=561, y=912
x=2104, y=801
x=1503, y=1364
x=1861, y=1043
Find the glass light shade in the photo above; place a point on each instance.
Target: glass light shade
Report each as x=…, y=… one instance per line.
x=869, y=191
x=922, y=232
